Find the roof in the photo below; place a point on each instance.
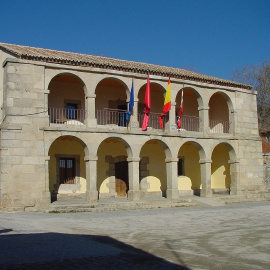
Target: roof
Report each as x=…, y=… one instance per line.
x=85, y=60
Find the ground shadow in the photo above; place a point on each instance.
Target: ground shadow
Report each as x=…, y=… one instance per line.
x=69, y=251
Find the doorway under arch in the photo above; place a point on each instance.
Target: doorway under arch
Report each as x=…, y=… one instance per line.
x=67, y=170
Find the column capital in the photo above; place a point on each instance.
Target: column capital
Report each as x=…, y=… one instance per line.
x=91, y=96
x=133, y=159
x=232, y=161
x=203, y=161
x=203, y=108
x=47, y=92
x=87, y=158
x=168, y=160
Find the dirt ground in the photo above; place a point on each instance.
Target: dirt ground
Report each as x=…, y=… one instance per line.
x=225, y=237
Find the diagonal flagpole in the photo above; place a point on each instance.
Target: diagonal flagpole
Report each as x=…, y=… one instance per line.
x=179, y=123
x=131, y=102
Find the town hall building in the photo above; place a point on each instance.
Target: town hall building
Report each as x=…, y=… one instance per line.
x=65, y=134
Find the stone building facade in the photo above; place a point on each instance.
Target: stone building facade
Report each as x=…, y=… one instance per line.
x=64, y=133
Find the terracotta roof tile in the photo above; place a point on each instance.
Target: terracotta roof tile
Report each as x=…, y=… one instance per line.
x=78, y=59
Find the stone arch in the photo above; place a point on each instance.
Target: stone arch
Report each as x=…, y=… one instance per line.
x=190, y=89
x=189, y=170
x=221, y=118
x=153, y=168
x=157, y=102
x=229, y=147
x=111, y=152
x=67, y=169
x=66, y=100
x=79, y=140
x=224, y=169
x=112, y=96
x=116, y=81
x=58, y=74
x=190, y=119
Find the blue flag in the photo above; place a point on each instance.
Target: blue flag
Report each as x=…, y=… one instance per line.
x=131, y=102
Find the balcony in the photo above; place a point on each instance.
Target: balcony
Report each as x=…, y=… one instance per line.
x=118, y=117
x=67, y=116
x=111, y=117
x=190, y=123
x=219, y=126
x=153, y=120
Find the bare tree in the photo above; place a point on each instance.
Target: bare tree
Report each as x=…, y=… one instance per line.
x=259, y=77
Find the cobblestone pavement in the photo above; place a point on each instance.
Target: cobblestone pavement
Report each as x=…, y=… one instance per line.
x=227, y=237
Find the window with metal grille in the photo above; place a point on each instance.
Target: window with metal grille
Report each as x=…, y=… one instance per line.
x=72, y=111
x=67, y=170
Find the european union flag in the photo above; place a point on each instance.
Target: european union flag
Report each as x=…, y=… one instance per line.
x=131, y=102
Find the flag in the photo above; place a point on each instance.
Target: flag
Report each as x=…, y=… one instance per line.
x=167, y=103
x=181, y=109
x=147, y=105
x=131, y=102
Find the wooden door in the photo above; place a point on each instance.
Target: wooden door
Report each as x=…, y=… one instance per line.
x=121, y=178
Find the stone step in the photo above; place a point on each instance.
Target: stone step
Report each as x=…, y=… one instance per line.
x=207, y=201
x=82, y=206
x=241, y=199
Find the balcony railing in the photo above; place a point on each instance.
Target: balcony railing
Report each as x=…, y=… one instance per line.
x=190, y=123
x=67, y=116
x=153, y=120
x=111, y=117
x=219, y=126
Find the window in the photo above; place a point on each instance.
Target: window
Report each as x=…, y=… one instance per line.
x=72, y=110
x=67, y=170
x=180, y=166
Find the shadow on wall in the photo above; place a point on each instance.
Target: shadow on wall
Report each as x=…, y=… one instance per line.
x=69, y=251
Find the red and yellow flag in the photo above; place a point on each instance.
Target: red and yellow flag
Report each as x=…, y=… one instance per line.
x=167, y=103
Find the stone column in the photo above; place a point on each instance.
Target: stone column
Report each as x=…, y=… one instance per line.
x=232, y=121
x=46, y=193
x=206, y=190
x=91, y=179
x=46, y=107
x=45, y=199
x=47, y=179
x=204, y=120
x=234, y=174
x=172, y=192
x=170, y=126
x=134, y=123
x=90, y=117
x=134, y=192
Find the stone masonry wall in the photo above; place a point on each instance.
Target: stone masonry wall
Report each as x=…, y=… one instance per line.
x=247, y=119
x=22, y=149
x=250, y=148
x=266, y=159
x=251, y=166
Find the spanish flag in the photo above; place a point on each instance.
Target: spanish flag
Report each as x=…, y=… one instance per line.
x=167, y=103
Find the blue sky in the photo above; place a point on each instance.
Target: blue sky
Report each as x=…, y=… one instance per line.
x=212, y=37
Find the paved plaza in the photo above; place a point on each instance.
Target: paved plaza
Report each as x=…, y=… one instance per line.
x=235, y=236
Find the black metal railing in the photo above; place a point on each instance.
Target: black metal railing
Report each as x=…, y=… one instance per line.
x=189, y=123
x=67, y=116
x=109, y=116
x=219, y=126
